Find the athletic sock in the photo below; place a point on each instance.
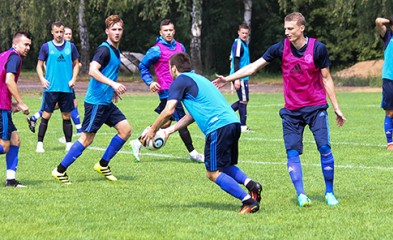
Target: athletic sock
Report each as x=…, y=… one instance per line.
x=186, y=138
x=327, y=163
x=235, y=173
x=235, y=106
x=230, y=186
x=67, y=130
x=295, y=172
x=37, y=115
x=114, y=146
x=388, y=125
x=75, y=151
x=12, y=160
x=243, y=114
x=76, y=119
x=42, y=129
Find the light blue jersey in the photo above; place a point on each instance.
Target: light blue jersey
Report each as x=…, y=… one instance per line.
x=59, y=68
x=240, y=50
x=209, y=117
x=100, y=93
x=387, y=70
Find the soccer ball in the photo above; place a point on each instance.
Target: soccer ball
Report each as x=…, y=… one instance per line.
x=157, y=142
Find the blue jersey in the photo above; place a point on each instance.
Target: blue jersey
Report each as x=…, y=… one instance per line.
x=387, y=69
x=321, y=56
x=98, y=92
x=203, y=101
x=59, y=67
x=240, y=50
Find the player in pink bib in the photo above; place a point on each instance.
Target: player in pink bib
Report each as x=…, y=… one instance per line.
x=306, y=82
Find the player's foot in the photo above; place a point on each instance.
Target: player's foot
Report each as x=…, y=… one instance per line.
x=31, y=123
x=136, y=146
x=61, y=177
x=256, y=192
x=303, y=200
x=68, y=146
x=389, y=147
x=331, y=199
x=40, y=147
x=105, y=171
x=197, y=157
x=244, y=128
x=14, y=183
x=249, y=208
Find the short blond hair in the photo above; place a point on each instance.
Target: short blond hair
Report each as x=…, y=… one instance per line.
x=112, y=20
x=296, y=16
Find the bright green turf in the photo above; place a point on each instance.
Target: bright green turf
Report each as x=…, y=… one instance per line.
x=166, y=196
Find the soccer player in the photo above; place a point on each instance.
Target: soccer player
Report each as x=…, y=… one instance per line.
x=384, y=28
x=10, y=67
x=240, y=57
x=31, y=120
x=60, y=59
x=208, y=107
x=306, y=81
x=158, y=56
x=103, y=90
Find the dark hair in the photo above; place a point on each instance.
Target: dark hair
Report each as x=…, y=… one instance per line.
x=296, y=16
x=244, y=26
x=391, y=20
x=57, y=24
x=182, y=61
x=21, y=34
x=166, y=22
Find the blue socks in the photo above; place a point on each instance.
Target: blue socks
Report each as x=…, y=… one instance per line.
x=75, y=151
x=114, y=146
x=327, y=163
x=76, y=119
x=230, y=186
x=235, y=173
x=12, y=158
x=388, y=125
x=295, y=171
x=243, y=113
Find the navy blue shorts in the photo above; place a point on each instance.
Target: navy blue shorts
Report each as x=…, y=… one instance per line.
x=222, y=147
x=96, y=115
x=387, y=94
x=242, y=92
x=64, y=100
x=179, y=110
x=294, y=122
x=7, y=126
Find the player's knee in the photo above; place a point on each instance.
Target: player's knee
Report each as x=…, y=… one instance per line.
x=212, y=176
x=324, y=150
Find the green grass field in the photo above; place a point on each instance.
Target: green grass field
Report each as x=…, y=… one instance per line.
x=166, y=196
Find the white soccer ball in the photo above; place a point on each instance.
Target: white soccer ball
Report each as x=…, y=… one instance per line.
x=157, y=142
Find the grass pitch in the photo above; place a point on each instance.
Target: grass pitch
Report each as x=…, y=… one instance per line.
x=166, y=196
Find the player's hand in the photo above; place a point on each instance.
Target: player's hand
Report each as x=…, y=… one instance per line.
x=119, y=88
x=154, y=86
x=220, y=81
x=236, y=84
x=147, y=136
x=45, y=84
x=24, y=108
x=340, y=119
x=71, y=84
x=116, y=98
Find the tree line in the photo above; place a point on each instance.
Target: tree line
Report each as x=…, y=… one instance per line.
x=206, y=27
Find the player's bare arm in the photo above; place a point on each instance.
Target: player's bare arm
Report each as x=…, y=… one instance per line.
x=331, y=92
x=96, y=74
x=13, y=88
x=381, y=25
x=75, y=72
x=40, y=73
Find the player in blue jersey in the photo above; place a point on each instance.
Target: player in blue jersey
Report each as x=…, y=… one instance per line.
x=384, y=28
x=61, y=61
x=10, y=67
x=216, y=119
x=240, y=57
x=103, y=90
x=31, y=120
